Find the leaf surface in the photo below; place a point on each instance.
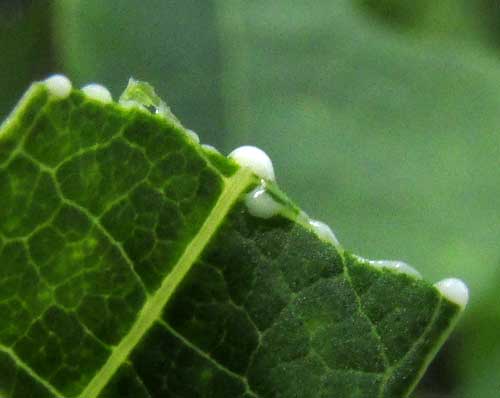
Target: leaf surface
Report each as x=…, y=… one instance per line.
x=130, y=266
x=366, y=125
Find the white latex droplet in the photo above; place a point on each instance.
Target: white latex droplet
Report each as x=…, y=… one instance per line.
x=97, y=92
x=210, y=148
x=324, y=232
x=58, y=85
x=191, y=134
x=454, y=290
x=255, y=159
x=261, y=204
x=398, y=266
x=129, y=104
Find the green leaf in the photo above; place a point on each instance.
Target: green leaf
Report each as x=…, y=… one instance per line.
x=130, y=266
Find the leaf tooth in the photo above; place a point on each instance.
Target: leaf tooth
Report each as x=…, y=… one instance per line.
x=398, y=266
x=393, y=265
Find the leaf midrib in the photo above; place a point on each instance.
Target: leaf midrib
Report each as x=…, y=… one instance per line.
x=152, y=309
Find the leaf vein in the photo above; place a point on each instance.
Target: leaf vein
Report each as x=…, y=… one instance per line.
x=21, y=364
x=154, y=305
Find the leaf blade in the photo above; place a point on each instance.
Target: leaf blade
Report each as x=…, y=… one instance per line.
x=259, y=307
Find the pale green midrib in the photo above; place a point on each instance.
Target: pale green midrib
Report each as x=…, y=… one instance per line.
x=20, y=363
x=229, y=23
x=153, y=307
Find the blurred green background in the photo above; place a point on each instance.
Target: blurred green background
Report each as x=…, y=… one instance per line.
x=382, y=118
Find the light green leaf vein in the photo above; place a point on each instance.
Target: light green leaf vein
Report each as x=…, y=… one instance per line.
x=151, y=311
x=19, y=362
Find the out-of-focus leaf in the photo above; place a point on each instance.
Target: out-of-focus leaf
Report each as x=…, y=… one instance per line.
x=25, y=48
x=172, y=44
x=479, y=349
